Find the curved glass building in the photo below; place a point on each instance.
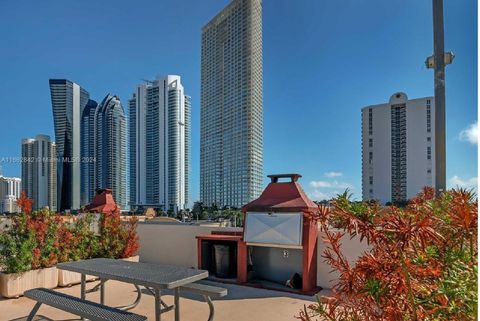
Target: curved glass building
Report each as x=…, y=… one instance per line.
x=111, y=148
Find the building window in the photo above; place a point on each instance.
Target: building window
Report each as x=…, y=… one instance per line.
x=429, y=139
x=370, y=142
x=370, y=157
x=429, y=171
x=370, y=180
x=429, y=152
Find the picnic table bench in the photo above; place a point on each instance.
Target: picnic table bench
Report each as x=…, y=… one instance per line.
x=82, y=308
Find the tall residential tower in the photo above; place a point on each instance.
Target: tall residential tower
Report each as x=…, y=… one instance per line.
x=68, y=102
x=159, y=129
x=39, y=171
x=231, y=141
x=398, y=145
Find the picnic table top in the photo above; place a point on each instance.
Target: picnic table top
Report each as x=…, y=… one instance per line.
x=160, y=276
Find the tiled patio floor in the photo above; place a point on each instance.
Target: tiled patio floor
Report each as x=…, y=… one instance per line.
x=241, y=304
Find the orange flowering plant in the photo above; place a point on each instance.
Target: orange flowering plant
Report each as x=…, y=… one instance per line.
x=41, y=239
x=422, y=262
x=31, y=241
x=118, y=239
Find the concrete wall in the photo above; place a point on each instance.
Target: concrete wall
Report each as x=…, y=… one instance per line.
x=172, y=243
x=351, y=248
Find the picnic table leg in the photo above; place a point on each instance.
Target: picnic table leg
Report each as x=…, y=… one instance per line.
x=158, y=312
x=177, y=304
x=102, y=291
x=34, y=311
x=83, y=282
x=82, y=286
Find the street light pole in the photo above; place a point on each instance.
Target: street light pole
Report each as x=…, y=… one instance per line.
x=438, y=62
x=439, y=75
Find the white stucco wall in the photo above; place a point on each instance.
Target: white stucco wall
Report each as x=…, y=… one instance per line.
x=351, y=248
x=172, y=243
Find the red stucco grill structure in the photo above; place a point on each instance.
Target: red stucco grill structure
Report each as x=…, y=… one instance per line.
x=281, y=233
x=102, y=202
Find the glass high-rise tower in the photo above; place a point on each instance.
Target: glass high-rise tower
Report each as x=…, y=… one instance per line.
x=159, y=129
x=231, y=142
x=87, y=152
x=104, y=150
x=111, y=148
x=68, y=102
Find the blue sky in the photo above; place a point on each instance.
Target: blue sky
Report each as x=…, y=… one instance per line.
x=323, y=61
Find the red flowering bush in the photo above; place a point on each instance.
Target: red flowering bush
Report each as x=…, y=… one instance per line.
x=41, y=239
x=117, y=240
x=31, y=242
x=77, y=240
x=422, y=264
x=45, y=225
x=131, y=241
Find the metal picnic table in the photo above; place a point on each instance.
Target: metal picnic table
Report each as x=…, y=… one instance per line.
x=154, y=277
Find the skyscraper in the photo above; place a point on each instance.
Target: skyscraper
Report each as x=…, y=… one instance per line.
x=231, y=141
x=159, y=127
x=398, y=142
x=104, y=150
x=39, y=169
x=9, y=193
x=87, y=152
x=68, y=102
x=111, y=148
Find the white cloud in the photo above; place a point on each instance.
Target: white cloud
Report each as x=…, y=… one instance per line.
x=320, y=184
x=333, y=174
x=332, y=184
x=327, y=189
x=456, y=181
x=319, y=196
x=470, y=134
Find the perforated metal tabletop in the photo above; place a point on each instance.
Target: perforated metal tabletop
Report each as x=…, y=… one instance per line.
x=152, y=275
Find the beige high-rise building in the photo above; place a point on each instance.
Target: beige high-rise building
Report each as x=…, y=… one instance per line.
x=39, y=171
x=398, y=148
x=231, y=142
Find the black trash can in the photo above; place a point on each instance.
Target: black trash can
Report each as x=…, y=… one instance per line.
x=222, y=260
